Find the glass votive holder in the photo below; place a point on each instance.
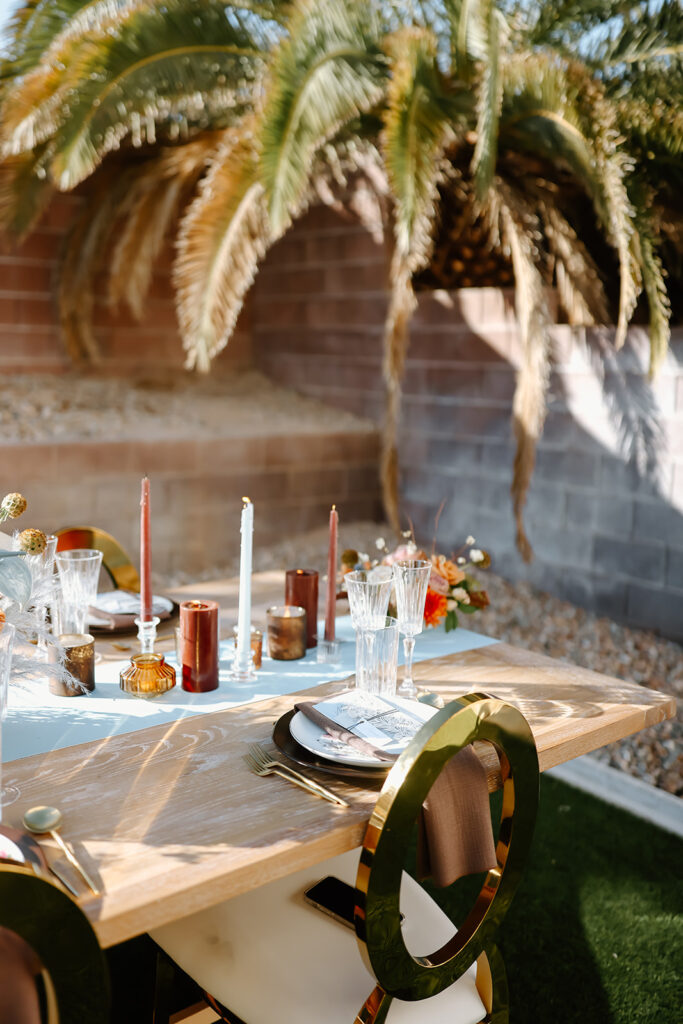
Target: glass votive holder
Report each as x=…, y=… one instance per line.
x=198, y=655
x=79, y=660
x=256, y=644
x=286, y=632
x=301, y=591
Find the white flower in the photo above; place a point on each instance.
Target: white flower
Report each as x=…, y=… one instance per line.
x=363, y=556
x=461, y=560
x=411, y=547
x=476, y=555
x=380, y=544
x=407, y=533
x=470, y=540
x=451, y=605
x=461, y=595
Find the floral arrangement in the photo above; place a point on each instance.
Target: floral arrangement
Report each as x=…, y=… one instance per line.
x=452, y=589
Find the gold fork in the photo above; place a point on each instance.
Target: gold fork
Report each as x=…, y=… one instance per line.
x=258, y=762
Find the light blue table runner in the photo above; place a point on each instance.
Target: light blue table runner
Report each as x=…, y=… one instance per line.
x=38, y=722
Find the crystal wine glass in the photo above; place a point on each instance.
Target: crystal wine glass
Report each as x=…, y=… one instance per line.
x=79, y=572
x=411, y=577
x=369, y=592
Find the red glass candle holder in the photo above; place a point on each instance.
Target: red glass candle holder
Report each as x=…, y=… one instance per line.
x=301, y=588
x=199, y=645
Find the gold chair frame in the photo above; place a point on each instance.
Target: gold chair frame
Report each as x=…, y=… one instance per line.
x=475, y=716
x=115, y=560
x=74, y=968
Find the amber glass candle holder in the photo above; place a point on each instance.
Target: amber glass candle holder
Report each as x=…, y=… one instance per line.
x=286, y=632
x=148, y=674
x=79, y=660
x=301, y=590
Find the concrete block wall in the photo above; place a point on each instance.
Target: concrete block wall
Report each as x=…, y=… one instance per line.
x=30, y=339
x=197, y=484
x=606, y=534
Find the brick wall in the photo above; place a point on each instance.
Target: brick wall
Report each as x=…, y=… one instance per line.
x=29, y=319
x=605, y=535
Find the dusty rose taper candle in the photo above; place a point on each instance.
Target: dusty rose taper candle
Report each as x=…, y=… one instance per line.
x=145, y=554
x=331, y=609
x=199, y=645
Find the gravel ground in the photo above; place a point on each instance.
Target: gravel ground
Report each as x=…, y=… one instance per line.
x=522, y=615
x=38, y=408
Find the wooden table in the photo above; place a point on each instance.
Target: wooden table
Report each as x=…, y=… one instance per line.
x=171, y=821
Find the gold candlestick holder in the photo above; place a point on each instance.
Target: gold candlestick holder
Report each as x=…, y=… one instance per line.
x=148, y=675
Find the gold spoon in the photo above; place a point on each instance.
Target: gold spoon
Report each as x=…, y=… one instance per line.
x=46, y=821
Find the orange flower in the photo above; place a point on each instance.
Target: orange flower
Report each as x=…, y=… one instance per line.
x=479, y=599
x=435, y=608
x=449, y=570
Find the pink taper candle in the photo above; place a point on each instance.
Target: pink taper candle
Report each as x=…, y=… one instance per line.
x=331, y=609
x=145, y=555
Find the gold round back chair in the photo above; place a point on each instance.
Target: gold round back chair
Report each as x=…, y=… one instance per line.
x=74, y=974
x=115, y=560
x=475, y=716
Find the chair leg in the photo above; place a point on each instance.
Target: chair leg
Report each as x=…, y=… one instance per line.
x=163, y=988
x=492, y=986
x=375, y=1008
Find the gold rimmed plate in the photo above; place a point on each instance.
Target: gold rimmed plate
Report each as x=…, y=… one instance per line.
x=284, y=741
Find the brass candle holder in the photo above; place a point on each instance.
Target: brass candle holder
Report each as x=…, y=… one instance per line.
x=148, y=675
x=286, y=632
x=79, y=660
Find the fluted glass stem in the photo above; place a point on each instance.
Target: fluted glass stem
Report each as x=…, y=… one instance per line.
x=408, y=687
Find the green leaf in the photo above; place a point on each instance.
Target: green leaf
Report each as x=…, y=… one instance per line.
x=451, y=621
x=468, y=609
x=15, y=580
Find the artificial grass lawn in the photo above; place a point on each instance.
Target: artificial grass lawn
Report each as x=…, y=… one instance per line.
x=595, y=932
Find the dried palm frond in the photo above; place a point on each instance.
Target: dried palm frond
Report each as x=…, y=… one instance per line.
x=222, y=237
x=655, y=289
x=148, y=211
x=580, y=290
x=84, y=245
x=416, y=132
x=512, y=221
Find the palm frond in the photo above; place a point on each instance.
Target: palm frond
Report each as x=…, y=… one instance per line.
x=560, y=111
x=148, y=211
x=162, y=69
x=327, y=73
x=513, y=223
x=416, y=129
x=83, y=251
x=489, y=100
x=25, y=192
x=223, y=235
x=655, y=289
x=579, y=287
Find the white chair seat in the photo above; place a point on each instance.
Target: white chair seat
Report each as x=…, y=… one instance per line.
x=271, y=958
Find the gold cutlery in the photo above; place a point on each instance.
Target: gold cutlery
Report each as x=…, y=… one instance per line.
x=260, y=763
x=46, y=821
x=64, y=880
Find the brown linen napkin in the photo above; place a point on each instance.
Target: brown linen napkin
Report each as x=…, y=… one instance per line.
x=455, y=836
x=18, y=968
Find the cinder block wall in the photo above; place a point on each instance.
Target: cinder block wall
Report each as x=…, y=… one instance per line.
x=30, y=339
x=605, y=534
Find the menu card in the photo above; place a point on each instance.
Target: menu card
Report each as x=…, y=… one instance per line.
x=387, y=722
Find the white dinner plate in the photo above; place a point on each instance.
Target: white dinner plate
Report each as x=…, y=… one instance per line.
x=122, y=602
x=346, y=709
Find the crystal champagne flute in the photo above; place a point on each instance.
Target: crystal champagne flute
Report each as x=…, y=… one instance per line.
x=411, y=577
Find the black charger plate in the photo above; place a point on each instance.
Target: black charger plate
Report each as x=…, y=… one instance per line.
x=284, y=741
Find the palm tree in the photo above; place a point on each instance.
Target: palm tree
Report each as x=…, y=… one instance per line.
x=240, y=115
